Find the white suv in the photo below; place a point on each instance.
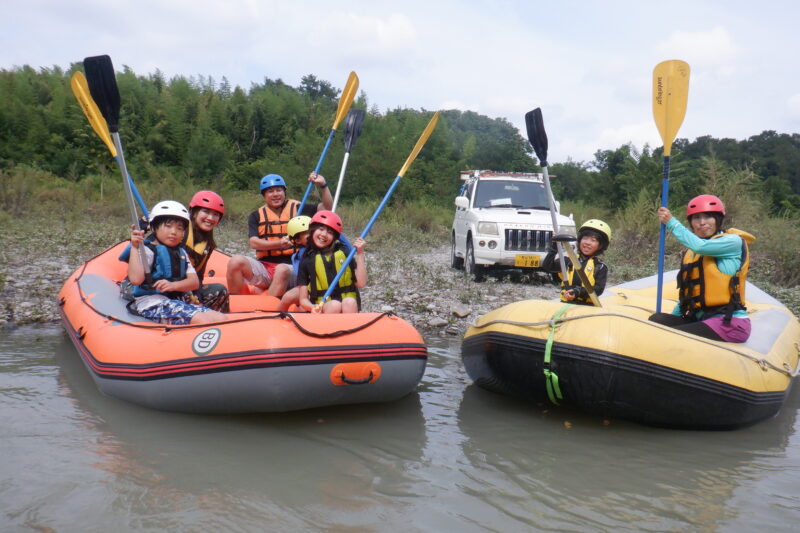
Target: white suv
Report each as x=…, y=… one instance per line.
x=502, y=221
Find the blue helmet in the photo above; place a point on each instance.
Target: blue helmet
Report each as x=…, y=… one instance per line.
x=272, y=180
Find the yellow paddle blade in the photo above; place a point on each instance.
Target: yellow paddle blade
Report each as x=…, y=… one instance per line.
x=80, y=88
x=420, y=143
x=348, y=95
x=670, y=92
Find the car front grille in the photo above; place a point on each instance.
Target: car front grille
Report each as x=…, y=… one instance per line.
x=526, y=240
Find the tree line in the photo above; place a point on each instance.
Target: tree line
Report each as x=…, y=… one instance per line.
x=210, y=134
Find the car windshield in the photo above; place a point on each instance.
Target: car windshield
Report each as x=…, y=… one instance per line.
x=525, y=194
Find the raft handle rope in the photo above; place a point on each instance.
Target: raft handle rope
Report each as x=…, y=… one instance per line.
x=169, y=328
x=796, y=370
x=338, y=333
x=760, y=361
x=551, y=378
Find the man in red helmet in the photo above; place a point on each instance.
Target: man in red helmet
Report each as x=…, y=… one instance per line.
x=711, y=281
x=271, y=269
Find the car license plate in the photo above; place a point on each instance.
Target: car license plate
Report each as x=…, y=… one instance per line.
x=521, y=260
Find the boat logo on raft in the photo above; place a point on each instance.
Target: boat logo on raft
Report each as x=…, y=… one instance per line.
x=206, y=341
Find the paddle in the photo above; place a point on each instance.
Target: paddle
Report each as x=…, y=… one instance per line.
x=576, y=266
x=348, y=94
x=538, y=139
x=352, y=129
x=413, y=155
x=103, y=88
x=80, y=88
x=670, y=92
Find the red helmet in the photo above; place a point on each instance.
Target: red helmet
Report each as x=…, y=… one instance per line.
x=705, y=203
x=209, y=200
x=328, y=218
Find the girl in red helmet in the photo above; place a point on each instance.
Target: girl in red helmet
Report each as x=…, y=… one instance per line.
x=711, y=280
x=205, y=210
x=325, y=256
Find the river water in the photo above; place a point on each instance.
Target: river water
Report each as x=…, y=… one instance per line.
x=449, y=457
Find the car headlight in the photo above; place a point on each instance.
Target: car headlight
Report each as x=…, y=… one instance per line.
x=487, y=228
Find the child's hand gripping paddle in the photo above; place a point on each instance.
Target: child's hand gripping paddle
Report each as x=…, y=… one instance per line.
x=564, y=238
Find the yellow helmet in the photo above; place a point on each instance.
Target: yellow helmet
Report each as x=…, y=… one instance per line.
x=599, y=226
x=297, y=225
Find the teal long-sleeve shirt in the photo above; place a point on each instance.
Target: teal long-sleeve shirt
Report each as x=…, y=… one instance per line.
x=727, y=249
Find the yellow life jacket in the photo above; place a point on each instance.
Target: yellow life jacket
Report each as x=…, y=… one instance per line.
x=588, y=269
x=325, y=269
x=198, y=252
x=272, y=227
x=702, y=286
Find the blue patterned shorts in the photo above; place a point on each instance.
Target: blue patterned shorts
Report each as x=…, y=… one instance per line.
x=175, y=312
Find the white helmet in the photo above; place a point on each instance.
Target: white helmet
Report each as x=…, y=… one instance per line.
x=169, y=208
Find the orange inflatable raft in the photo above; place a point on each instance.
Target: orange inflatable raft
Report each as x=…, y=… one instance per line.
x=259, y=360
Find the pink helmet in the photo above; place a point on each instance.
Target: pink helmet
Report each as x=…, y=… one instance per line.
x=209, y=200
x=705, y=203
x=328, y=218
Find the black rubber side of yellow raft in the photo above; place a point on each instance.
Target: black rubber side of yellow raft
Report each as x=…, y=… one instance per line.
x=612, y=385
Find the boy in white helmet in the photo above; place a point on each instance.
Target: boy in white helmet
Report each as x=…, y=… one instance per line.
x=157, y=292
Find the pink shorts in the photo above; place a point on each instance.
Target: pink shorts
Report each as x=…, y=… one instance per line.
x=262, y=273
x=737, y=331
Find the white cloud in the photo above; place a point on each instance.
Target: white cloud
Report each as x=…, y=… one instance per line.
x=793, y=104
x=363, y=39
x=639, y=134
x=711, y=47
x=590, y=75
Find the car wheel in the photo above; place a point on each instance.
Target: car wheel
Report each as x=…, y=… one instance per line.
x=455, y=261
x=476, y=271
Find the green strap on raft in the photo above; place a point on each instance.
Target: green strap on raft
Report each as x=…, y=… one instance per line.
x=551, y=379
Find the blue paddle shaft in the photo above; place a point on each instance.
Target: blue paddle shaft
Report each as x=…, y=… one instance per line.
x=129, y=193
x=363, y=235
x=136, y=194
x=662, y=237
x=316, y=171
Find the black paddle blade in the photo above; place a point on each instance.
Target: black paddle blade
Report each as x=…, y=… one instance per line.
x=564, y=237
x=536, y=134
x=352, y=127
x=103, y=86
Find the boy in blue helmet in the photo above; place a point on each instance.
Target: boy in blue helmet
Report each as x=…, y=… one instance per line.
x=272, y=268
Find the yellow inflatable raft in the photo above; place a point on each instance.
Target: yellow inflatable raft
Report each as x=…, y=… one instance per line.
x=612, y=361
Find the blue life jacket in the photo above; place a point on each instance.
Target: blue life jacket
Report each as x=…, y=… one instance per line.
x=169, y=263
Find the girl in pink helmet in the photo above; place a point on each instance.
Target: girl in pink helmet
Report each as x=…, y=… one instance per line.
x=325, y=256
x=206, y=210
x=711, y=280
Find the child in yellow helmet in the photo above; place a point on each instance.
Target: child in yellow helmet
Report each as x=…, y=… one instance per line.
x=594, y=236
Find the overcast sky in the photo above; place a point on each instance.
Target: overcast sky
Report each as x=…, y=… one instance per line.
x=588, y=65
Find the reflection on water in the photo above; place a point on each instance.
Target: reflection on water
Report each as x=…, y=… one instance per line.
x=585, y=472
x=449, y=457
